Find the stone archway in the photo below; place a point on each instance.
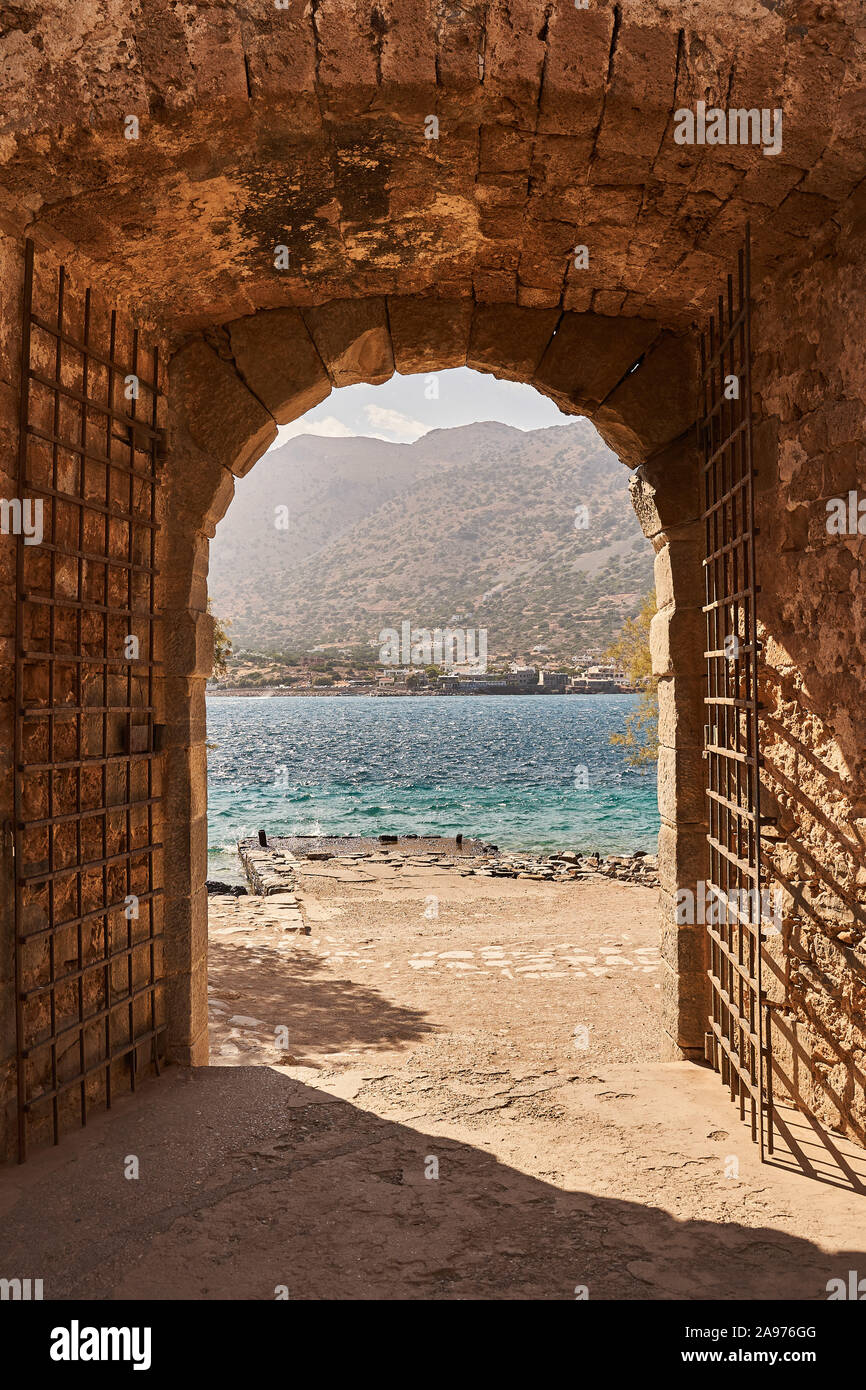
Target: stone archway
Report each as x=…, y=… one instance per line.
x=164, y=153
x=231, y=388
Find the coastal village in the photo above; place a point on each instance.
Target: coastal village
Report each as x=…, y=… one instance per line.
x=591, y=674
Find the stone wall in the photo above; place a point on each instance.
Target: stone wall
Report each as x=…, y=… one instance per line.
x=809, y=335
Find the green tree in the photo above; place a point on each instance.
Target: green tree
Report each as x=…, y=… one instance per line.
x=631, y=651
x=222, y=645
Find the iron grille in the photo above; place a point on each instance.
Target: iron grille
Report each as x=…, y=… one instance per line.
x=87, y=779
x=736, y=1041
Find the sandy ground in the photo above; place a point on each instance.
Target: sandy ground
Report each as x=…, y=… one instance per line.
x=451, y=1088
x=428, y=970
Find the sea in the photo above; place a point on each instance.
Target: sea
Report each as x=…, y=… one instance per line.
x=526, y=772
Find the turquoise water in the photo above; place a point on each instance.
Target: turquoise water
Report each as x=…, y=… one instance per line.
x=500, y=768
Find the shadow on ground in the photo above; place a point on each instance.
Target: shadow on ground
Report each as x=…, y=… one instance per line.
x=250, y=1180
x=323, y=1012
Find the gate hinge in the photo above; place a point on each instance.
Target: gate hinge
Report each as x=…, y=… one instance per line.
x=144, y=437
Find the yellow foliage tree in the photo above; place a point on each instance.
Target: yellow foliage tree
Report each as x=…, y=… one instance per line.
x=222, y=644
x=631, y=651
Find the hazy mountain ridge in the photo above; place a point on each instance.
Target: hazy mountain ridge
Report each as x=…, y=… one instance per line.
x=474, y=524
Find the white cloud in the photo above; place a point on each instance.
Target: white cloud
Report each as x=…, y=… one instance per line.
x=394, y=423
x=330, y=427
x=388, y=425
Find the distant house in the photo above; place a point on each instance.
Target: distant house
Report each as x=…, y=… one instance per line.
x=448, y=685
x=553, y=682
x=592, y=685
x=521, y=677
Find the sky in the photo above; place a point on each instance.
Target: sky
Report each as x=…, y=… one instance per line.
x=406, y=407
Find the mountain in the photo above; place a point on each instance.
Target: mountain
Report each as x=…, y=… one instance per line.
x=472, y=526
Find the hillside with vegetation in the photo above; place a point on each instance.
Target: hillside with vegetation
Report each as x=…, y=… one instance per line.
x=472, y=526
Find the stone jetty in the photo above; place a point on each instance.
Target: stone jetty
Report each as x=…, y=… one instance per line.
x=274, y=868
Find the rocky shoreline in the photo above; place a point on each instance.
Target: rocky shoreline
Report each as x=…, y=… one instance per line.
x=273, y=867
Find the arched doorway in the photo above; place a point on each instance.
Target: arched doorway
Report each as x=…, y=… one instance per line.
x=284, y=361
x=434, y=183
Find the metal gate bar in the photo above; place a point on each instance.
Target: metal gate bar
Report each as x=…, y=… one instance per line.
x=88, y=936
x=736, y=1042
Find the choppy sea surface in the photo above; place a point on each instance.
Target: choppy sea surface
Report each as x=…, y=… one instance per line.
x=506, y=768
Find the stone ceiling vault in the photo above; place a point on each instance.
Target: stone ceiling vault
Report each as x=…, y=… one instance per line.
x=305, y=127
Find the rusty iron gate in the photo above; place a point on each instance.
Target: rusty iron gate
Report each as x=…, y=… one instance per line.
x=88, y=964
x=737, y=1040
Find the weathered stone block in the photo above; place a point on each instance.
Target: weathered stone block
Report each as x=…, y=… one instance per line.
x=185, y=839
x=408, y=58
x=352, y=339
x=681, y=795
x=684, y=1006
x=579, y=44
x=682, y=712
x=684, y=948
x=677, y=637
x=641, y=79
x=184, y=570
x=491, y=286
x=588, y=356
x=346, y=68
x=514, y=56
x=774, y=969
x=792, y=1044
x=186, y=940
x=185, y=711
x=428, y=334
x=216, y=56
x=654, y=404
x=189, y=771
x=223, y=418
x=279, y=362
x=281, y=57
x=537, y=297
x=189, y=643
x=509, y=341
x=682, y=857
x=186, y=1009
x=200, y=488
x=679, y=571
